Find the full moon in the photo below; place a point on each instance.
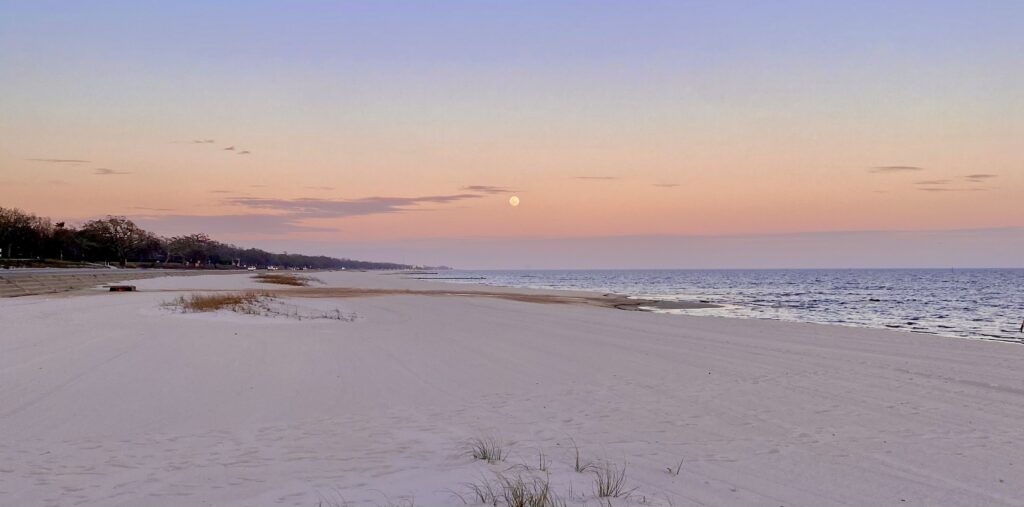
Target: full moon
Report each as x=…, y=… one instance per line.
x=513, y=201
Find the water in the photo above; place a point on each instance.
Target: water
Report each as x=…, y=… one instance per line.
x=972, y=303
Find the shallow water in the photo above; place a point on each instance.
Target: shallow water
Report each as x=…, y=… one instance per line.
x=970, y=303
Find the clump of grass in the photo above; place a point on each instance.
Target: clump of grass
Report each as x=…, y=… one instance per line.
x=241, y=302
x=257, y=303
x=580, y=466
x=513, y=491
x=534, y=492
x=488, y=449
x=284, y=279
x=609, y=480
x=482, y=492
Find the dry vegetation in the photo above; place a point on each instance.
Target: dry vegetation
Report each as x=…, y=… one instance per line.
x=285, y=279
x=488, y=449
x=513, y=491
x=524, y=486
x=241, y=302
x=609, y=480
x=253, y=303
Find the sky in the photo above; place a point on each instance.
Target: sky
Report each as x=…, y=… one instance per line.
x=686, y=134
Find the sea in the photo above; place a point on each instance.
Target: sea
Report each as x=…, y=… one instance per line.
x=985, y=304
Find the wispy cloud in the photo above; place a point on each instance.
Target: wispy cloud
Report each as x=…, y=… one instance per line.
x=596, y=178
x=229, y=148
x=895, y=169
x=947, y=189
x=103, y=171
x=145, y=208
x=488, y=189
x=59, y=183
x=257, y=186
x=327, y=208
x=255, y=224
x=311, y=188
x=245, y=152
x=934, y=182
x=269, y=216
x=221, y=192
x=666, y=185
x=980, y=177
x=60, y=160
x=203, y=141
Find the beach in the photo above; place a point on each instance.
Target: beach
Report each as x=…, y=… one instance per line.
x=116, y=399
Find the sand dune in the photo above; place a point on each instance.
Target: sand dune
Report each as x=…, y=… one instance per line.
x=111, y=399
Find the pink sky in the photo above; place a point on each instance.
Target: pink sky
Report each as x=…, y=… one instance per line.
x=384, y=148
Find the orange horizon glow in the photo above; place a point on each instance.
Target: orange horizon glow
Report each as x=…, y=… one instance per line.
x=671, y=134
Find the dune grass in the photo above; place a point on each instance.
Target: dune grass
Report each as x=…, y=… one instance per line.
x=513, y=491
x=524, y=486
x=285, y=279
x=241, y=302
x=580, y=465
x=609, y=480
x=488, y=449
x=257, y=303
x=532, y=492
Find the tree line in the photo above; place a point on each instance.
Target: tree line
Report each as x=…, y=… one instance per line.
x=117, y=239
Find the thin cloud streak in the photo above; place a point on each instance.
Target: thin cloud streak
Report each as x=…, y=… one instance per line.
x=59, y=160
x=596, y=178
x=894, y=169
x=488, y=189
x=103, y=171
x=980, y=177
x=666, y=185
x=941, y=189
x=326, y=208
x=256, y=224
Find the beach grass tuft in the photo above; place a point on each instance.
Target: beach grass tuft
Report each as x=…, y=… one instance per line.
x=285, y=279
x=488, y=449
x=609, y=480
x=532, y=492
x=483, y=493
x=241, y=302
x=513, y=491
x=580, y=465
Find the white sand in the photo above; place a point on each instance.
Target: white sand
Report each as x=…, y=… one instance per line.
x=109, y=400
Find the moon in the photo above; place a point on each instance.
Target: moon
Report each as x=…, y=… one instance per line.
x=513, y=201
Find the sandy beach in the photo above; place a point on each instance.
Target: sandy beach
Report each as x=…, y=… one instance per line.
x=114, y=399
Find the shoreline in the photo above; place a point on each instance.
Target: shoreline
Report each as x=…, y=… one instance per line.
x=233, y=409
x=739, y=307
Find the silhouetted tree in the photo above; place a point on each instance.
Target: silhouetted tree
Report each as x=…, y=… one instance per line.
x=120, y=235
x=118, y=238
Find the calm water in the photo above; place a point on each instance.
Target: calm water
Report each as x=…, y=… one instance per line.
x=972, y=303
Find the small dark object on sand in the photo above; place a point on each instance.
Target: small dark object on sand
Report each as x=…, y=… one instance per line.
x=122, y=288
